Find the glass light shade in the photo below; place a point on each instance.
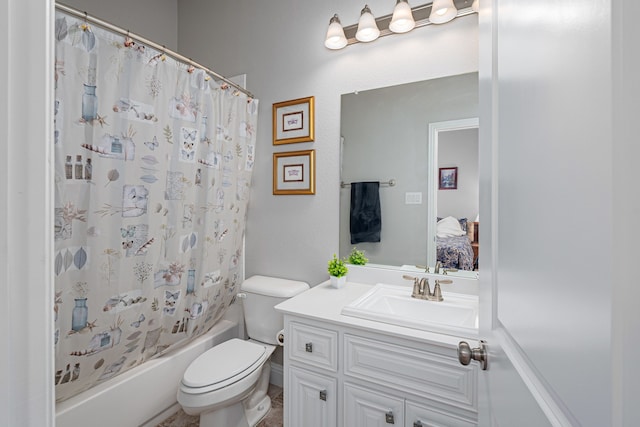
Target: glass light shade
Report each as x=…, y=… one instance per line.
x=335, y=34
x=367, y=28
x=442, y=11
x=475, y=6
x=402, y=20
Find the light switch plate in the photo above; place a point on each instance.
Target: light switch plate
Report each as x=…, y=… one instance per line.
x=413, y=198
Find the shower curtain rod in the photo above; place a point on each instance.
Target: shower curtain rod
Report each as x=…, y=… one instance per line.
x=160, y=48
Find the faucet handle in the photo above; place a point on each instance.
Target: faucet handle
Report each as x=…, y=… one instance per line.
x=417, y=288
x=437, y=292
x=407, y=277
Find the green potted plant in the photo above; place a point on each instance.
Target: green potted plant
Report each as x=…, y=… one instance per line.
x=357, y=257
x=337, y=271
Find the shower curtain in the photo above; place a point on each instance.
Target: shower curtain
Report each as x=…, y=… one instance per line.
x=153, y=163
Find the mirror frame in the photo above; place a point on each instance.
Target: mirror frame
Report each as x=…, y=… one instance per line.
x=435, y=129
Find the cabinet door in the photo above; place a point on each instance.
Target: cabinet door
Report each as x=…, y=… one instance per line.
x=423, y=416
x=312, y=399
x=364, y=408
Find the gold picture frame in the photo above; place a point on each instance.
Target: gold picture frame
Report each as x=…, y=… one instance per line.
x=293, y=121
x=294, y=172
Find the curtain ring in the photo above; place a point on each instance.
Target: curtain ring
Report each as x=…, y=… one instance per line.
x=128, y=41
x=85, y=26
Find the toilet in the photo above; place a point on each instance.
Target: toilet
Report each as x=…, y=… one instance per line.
x=227, y=385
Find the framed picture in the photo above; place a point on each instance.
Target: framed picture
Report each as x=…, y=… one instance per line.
x=448, y=178
x=294, y=172
x=293, y=121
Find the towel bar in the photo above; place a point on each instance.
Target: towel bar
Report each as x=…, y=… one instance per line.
x=389, y=183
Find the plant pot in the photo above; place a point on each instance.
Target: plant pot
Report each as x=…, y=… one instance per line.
x=338, y=282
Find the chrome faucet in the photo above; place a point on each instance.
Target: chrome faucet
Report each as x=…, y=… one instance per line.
x=422, y=290
x=436, y=269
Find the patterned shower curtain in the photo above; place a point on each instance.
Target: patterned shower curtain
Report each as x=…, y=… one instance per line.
x=153, y=163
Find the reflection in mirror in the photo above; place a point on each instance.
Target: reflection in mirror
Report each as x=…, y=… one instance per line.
x=385, y=136
x=453, y=197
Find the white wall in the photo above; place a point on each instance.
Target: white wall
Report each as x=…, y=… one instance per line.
x=459, y=149
x=280, y=47
x=156, y=20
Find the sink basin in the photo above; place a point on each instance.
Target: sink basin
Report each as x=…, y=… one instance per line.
x=456, y=315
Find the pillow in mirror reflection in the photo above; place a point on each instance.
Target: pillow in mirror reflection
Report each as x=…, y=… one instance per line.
x=449, y=227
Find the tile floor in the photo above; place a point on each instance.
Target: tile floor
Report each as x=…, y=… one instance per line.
x=273, y=418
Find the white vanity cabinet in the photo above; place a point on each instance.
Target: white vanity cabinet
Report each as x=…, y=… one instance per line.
x=340, y=375
x=314, y=398
x=310, y=354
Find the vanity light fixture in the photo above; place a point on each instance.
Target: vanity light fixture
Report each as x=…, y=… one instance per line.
x=404, y=19
x=335, y=34
x=442, y=11
x=367, y=27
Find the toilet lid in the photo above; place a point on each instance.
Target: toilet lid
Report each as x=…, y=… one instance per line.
x=222, y=362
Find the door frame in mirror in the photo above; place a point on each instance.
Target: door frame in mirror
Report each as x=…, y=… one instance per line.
x=435, y=129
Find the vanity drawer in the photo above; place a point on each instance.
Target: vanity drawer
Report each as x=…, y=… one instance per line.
x=427, y=374
x=425, y=416
x=367, y=408
x=313, y=346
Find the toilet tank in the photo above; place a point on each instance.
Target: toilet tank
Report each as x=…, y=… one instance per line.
x=263, y=293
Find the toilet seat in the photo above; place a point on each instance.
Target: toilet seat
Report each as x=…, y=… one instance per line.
x=223, y=365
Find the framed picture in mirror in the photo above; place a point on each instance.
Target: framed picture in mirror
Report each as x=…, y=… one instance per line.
x=293, y=121
x=294, y=172
x=448, y=178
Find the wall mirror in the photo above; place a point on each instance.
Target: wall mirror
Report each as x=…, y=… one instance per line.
x=385, y=136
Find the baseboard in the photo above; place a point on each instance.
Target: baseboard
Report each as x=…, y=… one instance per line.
x=277, y=375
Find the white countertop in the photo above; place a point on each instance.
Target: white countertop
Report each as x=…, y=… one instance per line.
x=325, y=303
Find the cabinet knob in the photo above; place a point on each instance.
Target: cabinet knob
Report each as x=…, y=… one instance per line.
x=323, y=395
x=388, y=417
x=308, y=347
x=466, y=354
x=418, y=424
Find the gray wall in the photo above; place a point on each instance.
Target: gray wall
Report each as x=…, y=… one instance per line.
x=156, y=20
x=280, y=47
x=386, y=135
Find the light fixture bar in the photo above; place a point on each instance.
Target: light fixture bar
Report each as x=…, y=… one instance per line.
x=420, y=14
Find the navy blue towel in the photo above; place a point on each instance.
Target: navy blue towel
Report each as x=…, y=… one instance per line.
x=366, y=220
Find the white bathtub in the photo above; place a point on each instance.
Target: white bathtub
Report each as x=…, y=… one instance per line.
x=146, y=394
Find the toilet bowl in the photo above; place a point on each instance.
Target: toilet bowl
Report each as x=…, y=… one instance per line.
x=233, y=375
x=227, y=385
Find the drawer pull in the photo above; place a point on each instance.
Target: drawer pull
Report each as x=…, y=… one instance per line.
x=388, y=417
x=308, y=347
x=323, y=395
x=418, y=424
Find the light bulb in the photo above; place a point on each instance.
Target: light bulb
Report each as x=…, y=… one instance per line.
x=367, y=28
x=335, y=34
x=442, y=11
x=402, y=20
